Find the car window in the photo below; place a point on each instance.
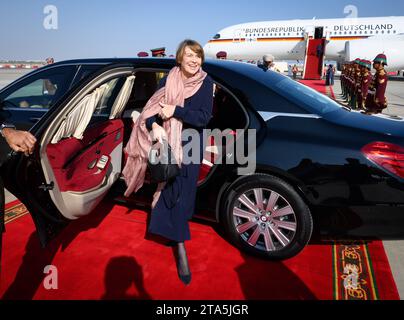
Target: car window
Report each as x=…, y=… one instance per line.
x=40, y=91
x=146, y=84
x=107, y=100
x=283, y=94
x=303, y=95
x=86, y=70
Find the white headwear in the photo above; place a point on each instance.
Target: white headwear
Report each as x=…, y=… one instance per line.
x=268, y=57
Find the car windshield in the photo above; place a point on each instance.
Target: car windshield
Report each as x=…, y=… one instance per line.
x=305, y=96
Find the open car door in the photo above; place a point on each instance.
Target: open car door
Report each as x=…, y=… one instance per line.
x=78, y=155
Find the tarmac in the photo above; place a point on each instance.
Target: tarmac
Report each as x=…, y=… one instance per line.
x=395, y=95
x=9, y=75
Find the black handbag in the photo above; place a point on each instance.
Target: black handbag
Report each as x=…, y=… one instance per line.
x=161, y=163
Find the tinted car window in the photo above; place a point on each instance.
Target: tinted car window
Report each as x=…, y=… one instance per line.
x=86, y=70
x=274, y=92
x=307, y=97
x=39, y=91
x=271, y=100
x=104, y=106
x=295, y=92
x=253, y=86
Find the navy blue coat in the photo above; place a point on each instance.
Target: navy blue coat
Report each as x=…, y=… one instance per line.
x=176, y=205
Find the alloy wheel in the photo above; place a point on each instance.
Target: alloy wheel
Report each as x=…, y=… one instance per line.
x=264, y=219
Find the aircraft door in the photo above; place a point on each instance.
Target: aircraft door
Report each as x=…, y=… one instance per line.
x=319, y=33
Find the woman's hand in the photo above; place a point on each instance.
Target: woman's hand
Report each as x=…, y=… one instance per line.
x=167, y=111
x=158, y=133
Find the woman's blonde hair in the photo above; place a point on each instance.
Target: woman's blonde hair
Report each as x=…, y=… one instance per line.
x=193, y=45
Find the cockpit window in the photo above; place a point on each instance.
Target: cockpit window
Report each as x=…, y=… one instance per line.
x=216, y=36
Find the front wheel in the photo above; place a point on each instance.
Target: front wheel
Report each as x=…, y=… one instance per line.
x=265, y=216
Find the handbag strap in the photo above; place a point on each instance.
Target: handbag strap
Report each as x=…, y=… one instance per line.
x=165, y=151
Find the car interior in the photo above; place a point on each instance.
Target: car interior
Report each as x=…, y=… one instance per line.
x=86, y=155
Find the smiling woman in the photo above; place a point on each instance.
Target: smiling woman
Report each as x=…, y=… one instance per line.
x=190, y=56
x=184, y=101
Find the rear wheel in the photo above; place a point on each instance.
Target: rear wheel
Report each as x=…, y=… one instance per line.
x=265, y=216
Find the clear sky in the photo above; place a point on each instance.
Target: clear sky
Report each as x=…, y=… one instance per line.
x=121, y=28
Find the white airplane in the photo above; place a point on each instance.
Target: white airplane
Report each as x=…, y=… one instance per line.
x=346, y=39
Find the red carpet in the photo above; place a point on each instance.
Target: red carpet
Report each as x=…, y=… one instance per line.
x=314, y=62
x=106, y=256
x=318, y=85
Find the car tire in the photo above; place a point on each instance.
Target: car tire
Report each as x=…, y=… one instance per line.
x=265, y=216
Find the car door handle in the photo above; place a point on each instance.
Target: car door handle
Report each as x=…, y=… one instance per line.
x=92, y=164
x=34, y=120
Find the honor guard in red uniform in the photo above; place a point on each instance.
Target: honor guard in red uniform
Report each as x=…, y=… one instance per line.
x=355, y=83
x=366, y=81
x=376, y=100
x=50, y=60
x=347, y=81
x=359, y=85
x=221, y=55
x=350, y=81
x=158, y=52
x=344, y=80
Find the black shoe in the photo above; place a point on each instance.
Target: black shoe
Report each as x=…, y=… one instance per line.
x=184, y=273
x=186, y=278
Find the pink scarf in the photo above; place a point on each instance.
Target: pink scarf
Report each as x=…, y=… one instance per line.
x=175, y=92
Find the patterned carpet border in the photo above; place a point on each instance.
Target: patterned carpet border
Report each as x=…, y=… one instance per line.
x=353, y=273
x=14, y=210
